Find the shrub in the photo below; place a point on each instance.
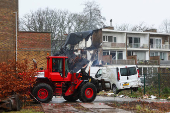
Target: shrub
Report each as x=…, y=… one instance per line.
x=16, y=77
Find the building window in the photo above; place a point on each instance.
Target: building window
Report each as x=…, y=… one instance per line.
x=105, y=53
x=161, y=54
x=120, y=55
x=130, y=53
x=114, y=39
x=105, y=39
x=115, y=54
x=110, y=38
x=134, y=42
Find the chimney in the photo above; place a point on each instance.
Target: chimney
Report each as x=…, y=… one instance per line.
x=109, y=27
x=110, y=22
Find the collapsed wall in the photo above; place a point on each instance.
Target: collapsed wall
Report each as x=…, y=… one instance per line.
x=79, y=49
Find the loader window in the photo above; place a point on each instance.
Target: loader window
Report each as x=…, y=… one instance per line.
x=66, y=67
x=57, y=65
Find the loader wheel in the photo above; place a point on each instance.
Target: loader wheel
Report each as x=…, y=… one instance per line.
x=88, y=92
x=43, y=92
x=71, y=98
x=135, y=89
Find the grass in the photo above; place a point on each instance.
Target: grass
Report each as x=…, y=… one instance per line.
x=29, y=108
x=24, y=111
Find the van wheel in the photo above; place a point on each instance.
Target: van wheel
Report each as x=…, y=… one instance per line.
x=114, y=88
x=135, y=89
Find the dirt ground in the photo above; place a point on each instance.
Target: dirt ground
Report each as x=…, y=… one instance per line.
x=139, y=106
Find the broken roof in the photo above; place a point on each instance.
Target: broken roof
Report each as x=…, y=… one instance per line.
x=75, y=38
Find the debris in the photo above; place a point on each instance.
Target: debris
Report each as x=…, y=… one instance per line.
x=168, y=98
x=153, y=97
x=121, y=96
x=145, y=96
x=110, y=94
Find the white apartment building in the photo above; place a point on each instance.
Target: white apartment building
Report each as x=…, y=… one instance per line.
x=151, y=49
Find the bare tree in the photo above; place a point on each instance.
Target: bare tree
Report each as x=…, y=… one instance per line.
x=92, y=13
x=47, y=20
x=165, y=26
x=55, y=21
x=122, y=27
x=60, y=22
x=140, y=27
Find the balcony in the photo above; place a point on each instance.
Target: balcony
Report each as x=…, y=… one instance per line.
x=164, y=63
x=137, y=45
x=159, y=46
x=147, y=62
x=124, y=62
x=113, y=45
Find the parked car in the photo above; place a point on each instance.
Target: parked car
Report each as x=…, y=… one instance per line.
x=117, y=78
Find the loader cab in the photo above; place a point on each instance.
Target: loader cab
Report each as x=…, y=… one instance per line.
x=57, y=68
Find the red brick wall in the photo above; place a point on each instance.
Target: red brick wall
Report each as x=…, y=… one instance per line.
x=34, y=40
x=34, y=45
x=7, y=29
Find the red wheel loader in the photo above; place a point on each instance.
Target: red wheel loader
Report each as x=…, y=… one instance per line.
x=58, y=80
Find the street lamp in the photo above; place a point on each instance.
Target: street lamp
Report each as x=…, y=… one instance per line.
x=16, y=32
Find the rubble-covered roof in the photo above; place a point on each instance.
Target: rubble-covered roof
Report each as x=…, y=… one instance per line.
x=75, y=38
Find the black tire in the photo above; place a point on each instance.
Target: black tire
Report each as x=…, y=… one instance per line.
x=71, y=98
x=135, y=89
x=88, y=92
x=43, y=92
x=114, y=88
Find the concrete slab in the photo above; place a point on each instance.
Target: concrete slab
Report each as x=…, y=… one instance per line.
x=111, y=111
x=95, y=105
x=58, y=108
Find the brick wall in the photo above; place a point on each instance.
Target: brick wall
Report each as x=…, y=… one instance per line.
x=97, y=38
x=155, y=58
x=133, y=57
x=7, y=29
x=34, y=45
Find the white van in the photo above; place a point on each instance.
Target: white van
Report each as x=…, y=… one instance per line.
x=116, y=78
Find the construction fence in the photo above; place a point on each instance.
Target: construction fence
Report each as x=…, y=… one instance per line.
x=157, y=84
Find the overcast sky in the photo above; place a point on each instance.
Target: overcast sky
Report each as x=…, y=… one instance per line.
x=152, y=12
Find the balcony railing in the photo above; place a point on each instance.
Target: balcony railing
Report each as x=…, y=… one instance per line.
x=124, y=62
x=137, y=45
x=147, y=62
x=113, y=45
x=160, y=46
x=165, y=62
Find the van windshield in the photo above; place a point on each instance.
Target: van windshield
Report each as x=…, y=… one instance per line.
x=128, y=71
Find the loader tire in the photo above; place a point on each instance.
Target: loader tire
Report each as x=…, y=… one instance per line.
x=88, y=92
x=43, y=92
x=70, y=98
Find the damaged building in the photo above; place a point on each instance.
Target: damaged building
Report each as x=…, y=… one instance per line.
x=149, y=50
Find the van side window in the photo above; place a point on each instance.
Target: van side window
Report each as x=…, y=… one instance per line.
x=132, y=71
x=99, y=73
x=123, y=71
